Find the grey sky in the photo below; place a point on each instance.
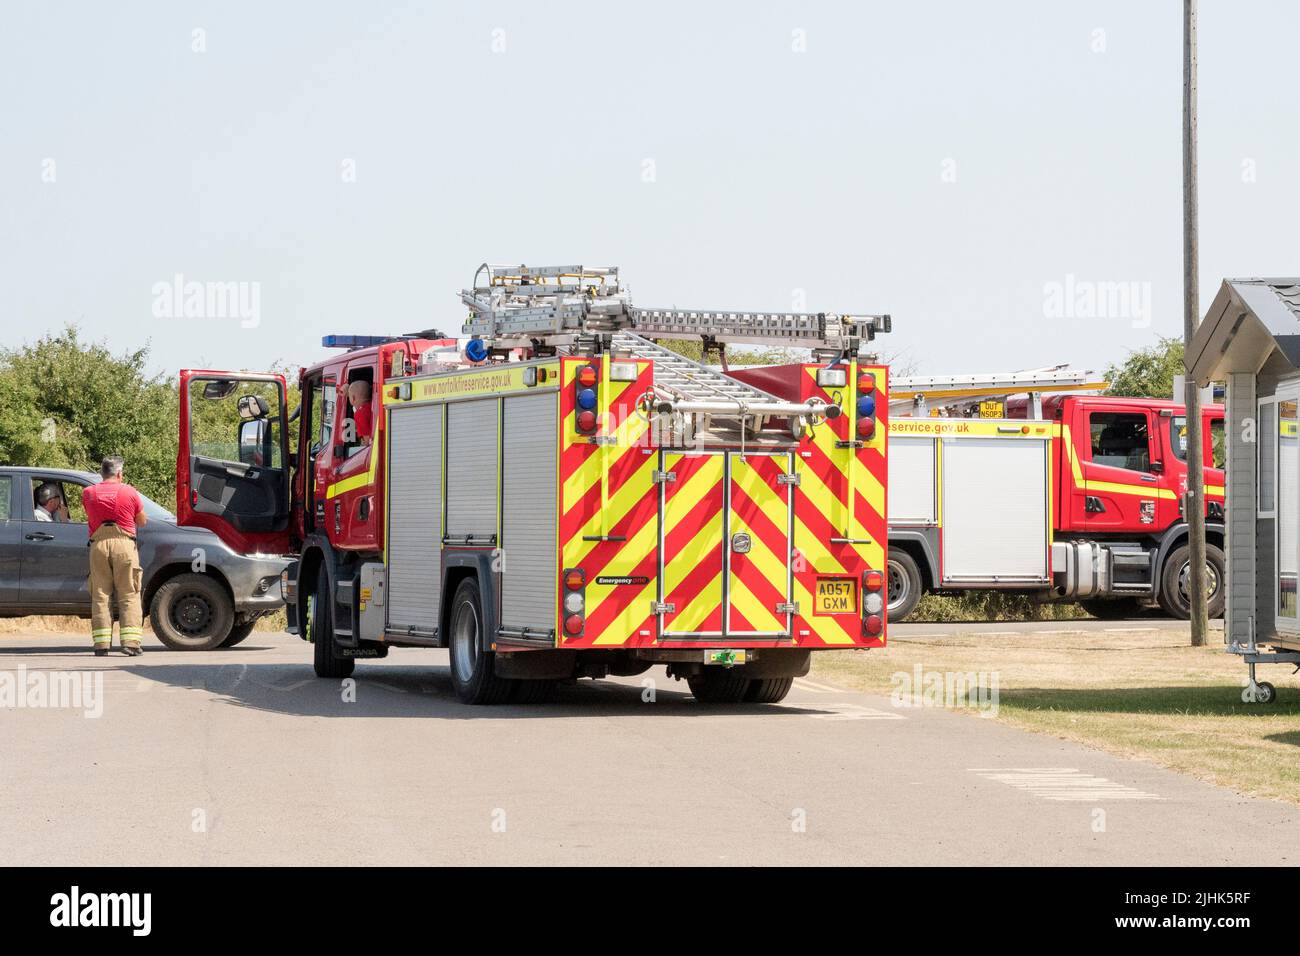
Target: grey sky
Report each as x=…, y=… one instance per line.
x=944, y=162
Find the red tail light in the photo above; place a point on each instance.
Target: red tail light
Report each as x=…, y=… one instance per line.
x=873, y=580
x=587, y=376
x=575, y=579
x=573, y=625
x=866, y=383
x=866, y=427
x=874, y=625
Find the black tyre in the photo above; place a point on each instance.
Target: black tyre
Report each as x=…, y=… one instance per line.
x=326, y=659
x=719, y=685
x=239, y=633
x=472, y=671
x=192, y=612
x=903, y=585
x=1112, y=610
x=768, y=690
x=1174, y=581
x=533, y=691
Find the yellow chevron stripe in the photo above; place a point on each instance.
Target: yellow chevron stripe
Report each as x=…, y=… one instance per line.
x=814, y=551
x=629, y=494
x=702, y=605
x=760, y=616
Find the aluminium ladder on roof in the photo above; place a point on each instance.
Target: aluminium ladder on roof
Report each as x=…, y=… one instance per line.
x=536, y=303
x=916, y=394
x=685, y=388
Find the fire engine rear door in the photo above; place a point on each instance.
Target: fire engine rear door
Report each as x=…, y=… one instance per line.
x=757, y=552
x=692, y=521
x=724, y=545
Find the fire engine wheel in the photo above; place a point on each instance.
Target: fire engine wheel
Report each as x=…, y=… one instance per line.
x=719, y=686
x=471, y=662
x=903, y=585
x=326, y=658
x=768, y=690
x=191, y=612
x=1174, y=579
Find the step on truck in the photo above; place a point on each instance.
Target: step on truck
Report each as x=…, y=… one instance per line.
x=1067, y=497
x=562, y=496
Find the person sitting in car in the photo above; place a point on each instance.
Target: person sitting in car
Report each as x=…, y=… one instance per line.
x=49, y=503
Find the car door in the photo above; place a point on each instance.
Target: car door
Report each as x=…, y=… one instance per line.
x=55, y=559
x=232, y=474
x=10, y=543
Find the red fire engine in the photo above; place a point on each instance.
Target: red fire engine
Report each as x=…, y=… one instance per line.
x=1074, y=497
x=562, y=496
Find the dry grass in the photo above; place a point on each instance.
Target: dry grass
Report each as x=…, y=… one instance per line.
x=1138, y=693
x=53, y=624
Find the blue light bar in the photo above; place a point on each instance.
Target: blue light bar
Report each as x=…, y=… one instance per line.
x=355, y=341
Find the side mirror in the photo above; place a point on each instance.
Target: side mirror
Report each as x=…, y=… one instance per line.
x=253, y=406
x=252, y=441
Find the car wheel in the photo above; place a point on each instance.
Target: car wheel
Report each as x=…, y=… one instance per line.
x=239, y=633
x=192, y=612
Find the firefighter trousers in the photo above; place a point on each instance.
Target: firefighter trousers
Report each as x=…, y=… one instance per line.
x=114, y=572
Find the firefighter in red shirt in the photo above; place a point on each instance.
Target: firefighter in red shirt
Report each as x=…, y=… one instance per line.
x=114, y=510
x=363, y=416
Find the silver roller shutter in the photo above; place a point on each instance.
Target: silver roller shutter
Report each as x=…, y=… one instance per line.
x=995, y=510
x=529, y=486
x=472, y=469
x=414, y=517
x=911, y=480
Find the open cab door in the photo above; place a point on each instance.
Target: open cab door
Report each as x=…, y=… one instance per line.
x=232, y=469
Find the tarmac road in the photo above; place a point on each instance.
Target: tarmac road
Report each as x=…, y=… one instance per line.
x=241, y=756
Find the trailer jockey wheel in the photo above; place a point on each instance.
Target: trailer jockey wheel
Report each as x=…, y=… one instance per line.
x=472, y=663
x=1265, y=693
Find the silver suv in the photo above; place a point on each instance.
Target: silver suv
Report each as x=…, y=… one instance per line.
x=197, y=592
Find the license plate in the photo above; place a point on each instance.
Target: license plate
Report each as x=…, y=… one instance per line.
x=836, y=596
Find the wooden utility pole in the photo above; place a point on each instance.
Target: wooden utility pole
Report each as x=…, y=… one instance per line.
x=1194, y=500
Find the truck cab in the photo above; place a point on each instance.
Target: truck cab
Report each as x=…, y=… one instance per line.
x=266, y=479
x=1122, y=464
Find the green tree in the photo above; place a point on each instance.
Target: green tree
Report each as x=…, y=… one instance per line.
x=1149, y=372
x=65, y=403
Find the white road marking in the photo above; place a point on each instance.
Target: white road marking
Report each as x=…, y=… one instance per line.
x=1063, y=783
x=851, y=712
x=803, y=683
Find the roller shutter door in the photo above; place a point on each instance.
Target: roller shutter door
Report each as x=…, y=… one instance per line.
x=528, y=512
x=414, y=517
x=995, y=508
x=472, y=470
